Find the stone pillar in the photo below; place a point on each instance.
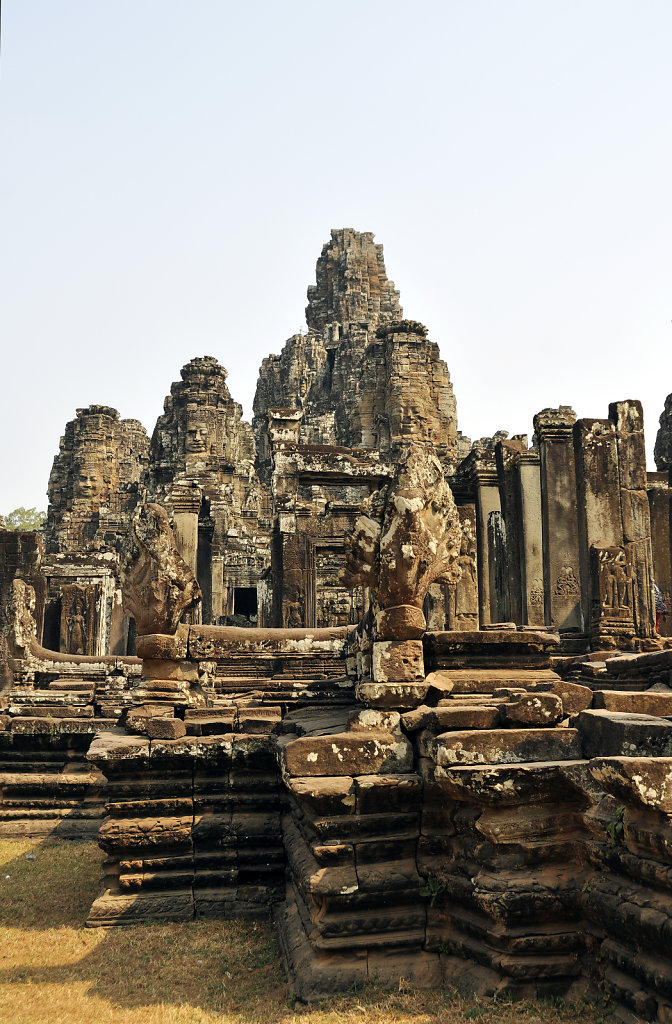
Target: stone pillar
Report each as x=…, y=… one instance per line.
x=559, y=519
x=506, y=457
x=480, y=470
x=217, y=587
x=599, y=507
x=628, y=419
x=532, y=567
x=186, y=504
x=660, y=508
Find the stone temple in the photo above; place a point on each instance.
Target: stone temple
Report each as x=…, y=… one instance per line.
x=410, y=694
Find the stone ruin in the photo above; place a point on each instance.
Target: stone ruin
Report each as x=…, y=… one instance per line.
x=412, y=695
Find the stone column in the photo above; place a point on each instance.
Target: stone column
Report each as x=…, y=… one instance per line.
x=598, y=503
x=660, y=508
x=480, y=469
x=628, y=419
x=186, y=504
x=532, y=567
x=506, y=457
x=217, y=585
x=559, y=518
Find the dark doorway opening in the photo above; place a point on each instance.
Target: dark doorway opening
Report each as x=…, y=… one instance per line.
x=245, y=602
x=51, y=635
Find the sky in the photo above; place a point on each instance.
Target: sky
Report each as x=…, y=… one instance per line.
x=170, y=171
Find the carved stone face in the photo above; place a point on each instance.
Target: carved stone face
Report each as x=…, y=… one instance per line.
x=88, y=483
x=196, y=438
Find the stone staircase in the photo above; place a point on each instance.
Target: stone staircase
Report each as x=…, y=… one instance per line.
x=46, y=785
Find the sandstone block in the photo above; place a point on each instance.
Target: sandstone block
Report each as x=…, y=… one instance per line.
x=137, y=718
x=403, y=622
x=325, y=796
x=642, y=702
x=645, y=781
x=209, y=725
x=165, y=728
x=397, y=661
x=367, y=719
x=452, y=716
x=161, y=646
x=506, y=746
x=534, y=709
x=347, y=754
x=610, y=733
x=391, y=695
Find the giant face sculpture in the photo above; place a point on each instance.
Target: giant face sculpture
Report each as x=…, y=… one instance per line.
x=197, y=434
x=88, y=483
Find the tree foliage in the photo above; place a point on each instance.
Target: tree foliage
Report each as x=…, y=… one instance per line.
x=25, y=519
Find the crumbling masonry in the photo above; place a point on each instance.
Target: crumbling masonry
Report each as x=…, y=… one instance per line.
x=409, y=693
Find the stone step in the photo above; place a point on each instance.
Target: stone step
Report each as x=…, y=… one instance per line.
x=60, y=726
x=11, y=781
x=487, y=680
x=503, y=746
x=51, y=698
x=72, y=685
x=51, y=710
x=642, y=702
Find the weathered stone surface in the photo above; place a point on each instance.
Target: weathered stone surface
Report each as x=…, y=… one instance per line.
x=362, y=375
x=94, y=480
x=663, y=448
x=405, y=622
x=574, y=697
x=606, y=733
x=157, y=584
x=391, y=695
x=397, y=661
x=645, y=780
x=346, y=754
x=452, y=716
x=640, y=702
x=409, y=535
x=165, y=728
x=507, y=746
x=534, y=709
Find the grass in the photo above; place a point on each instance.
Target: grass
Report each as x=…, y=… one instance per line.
x=53, y=969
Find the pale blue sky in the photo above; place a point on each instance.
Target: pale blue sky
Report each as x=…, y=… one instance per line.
x=170, y=172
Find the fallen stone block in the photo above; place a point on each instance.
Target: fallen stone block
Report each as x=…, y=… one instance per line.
x=346, y=754
x=506, y=746
x=537, y=709
x=641, y=702
x=165, y=728
x=610, y=733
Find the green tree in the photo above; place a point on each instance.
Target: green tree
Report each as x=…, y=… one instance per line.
x=25, y=519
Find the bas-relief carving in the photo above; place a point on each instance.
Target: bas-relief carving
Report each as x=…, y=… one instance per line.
x=79, y=621
x=567, y=583
x=463, y=601
x=616, y=583
x=536, y=594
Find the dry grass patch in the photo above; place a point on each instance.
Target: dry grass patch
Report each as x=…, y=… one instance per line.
x=53, y=969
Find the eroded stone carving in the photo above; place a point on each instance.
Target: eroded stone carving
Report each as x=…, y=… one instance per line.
x=662, y=452
x=157, y=584
x=409, y=535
